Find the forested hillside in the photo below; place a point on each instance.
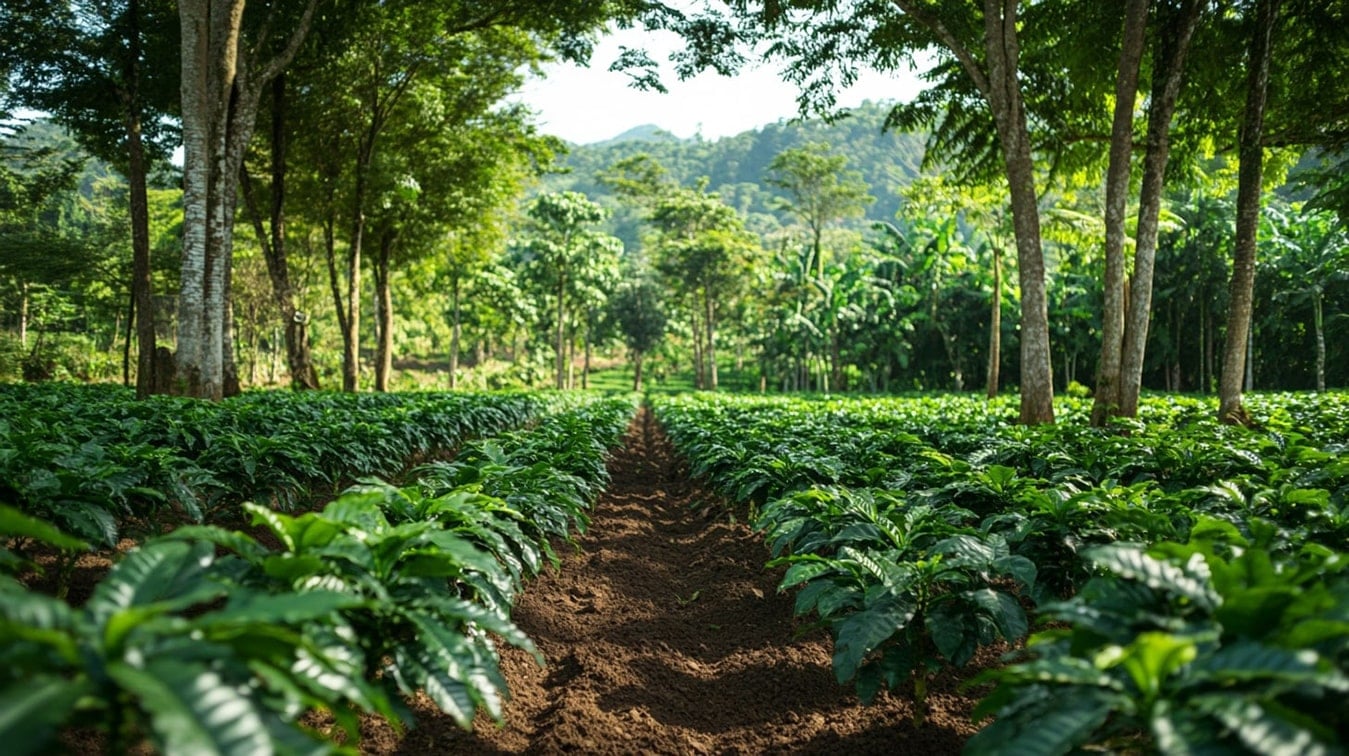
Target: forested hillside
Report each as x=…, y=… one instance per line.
x=735, y=167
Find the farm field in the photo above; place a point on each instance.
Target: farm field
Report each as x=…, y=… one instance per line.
x=1193, y=576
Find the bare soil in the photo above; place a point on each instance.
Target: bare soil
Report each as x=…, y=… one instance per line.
x=665, y=634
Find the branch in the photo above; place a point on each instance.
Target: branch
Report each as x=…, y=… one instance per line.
x=962, y=53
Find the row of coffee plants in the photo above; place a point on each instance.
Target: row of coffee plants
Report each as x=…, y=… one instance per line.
x=277, y=639
x=1181, y=560
x=93, y=459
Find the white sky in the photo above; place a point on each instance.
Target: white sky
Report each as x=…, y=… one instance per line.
x=583, y=105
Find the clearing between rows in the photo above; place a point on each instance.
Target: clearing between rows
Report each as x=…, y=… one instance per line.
x=665, y=634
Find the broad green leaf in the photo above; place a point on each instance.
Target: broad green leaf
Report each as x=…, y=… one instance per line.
x=278, y=523
x=160, y=576
x=31, y=710
x=1057, y=726
x=1249, y=661
x=1004, y=610
x=288, y=608
x=192, y=710
x=861, y=633
x=1130, y=562
x=16, y=524
x=1261, y=730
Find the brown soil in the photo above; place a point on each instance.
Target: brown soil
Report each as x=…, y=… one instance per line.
x=665, y=634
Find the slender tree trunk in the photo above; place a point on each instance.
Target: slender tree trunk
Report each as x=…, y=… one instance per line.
x=454, y=329
x=351, y=338
x=23, y=314
x=1004, y=94
x=560, y=344
x=384, y=313
x=710, y=307
x=571, y=354
x=1318, y=322
x=699, y=374
x=1172, y=48
x=995, y=326
x=636, y=371
x=299, y=358
x=585, y=367
x=1249, y=175
x=126, y=341
x=141, y=282
x=1107, y=390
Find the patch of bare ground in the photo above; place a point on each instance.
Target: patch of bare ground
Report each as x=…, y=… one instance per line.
x=664, y=634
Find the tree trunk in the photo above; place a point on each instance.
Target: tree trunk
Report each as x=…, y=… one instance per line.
x=710, y=307
x=221, y=89
x=585, y=365
x=299, y=359
x=384, y=313
x=560, y=344
x=351, y=337
x=1249, y=175
x=1107, y=390
x=23, y=314
x=1318, y=323
x=636, y=371
x=1001, y=88
x=699, y=349
x=995, y=326
x=141, y=282
x=1168, y=75
x=454, y=330
x=1004, y=96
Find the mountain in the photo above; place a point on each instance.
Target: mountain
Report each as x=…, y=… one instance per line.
x=735, y=166
x=647, y=132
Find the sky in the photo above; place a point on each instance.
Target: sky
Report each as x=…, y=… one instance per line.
x=584, y=105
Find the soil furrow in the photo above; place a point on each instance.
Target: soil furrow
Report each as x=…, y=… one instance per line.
x=665, y=634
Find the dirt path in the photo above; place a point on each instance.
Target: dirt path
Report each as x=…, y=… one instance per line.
x=664, y=634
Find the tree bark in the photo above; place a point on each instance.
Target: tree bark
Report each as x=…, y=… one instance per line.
x=1168, y=75
x=1009, y=112
x=1318, y=323
x=221, y=89
x=1001, y=88
x=384, y=312
x=299, y=359
x=711, y=354
x=454, y=330
x=995, y=326
x=1107, y=389
x=141, y=282
x=561, y=357
x=1249, y=175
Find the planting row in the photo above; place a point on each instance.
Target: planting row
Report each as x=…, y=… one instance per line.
x=211, y=640
x=1194, y=573
x=94, y=460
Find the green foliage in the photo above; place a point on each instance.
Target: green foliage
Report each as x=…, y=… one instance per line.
x=167, y=648
x=1195, y=571
x=216, y=640
x=1213, y=645
x=92, y=459
x=903, y=588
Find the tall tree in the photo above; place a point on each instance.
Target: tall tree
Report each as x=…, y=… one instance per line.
x=563, y=252
x=1251, y=154
x=636, y=308
x=825, y=42
x=101, y=69
x=820, y=191
x=272, y=238
x=229, y=58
